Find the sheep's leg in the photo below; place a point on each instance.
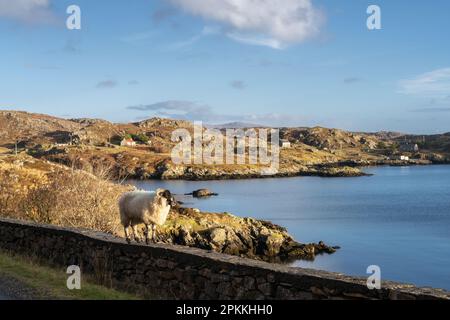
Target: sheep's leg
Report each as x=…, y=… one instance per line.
x=127, y=234
x=135, y=233
x=153, y=232
x=146, y=232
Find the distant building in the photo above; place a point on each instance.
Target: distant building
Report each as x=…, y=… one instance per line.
x=128, y=142
x=285, y=144
x=401, y=158
x=409, y=147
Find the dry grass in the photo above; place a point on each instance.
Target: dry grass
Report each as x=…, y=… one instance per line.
x=65, y=197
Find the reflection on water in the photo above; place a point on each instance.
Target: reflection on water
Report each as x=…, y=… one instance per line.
x=398, y=219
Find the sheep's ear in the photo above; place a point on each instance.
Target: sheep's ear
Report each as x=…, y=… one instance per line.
x=159, y=192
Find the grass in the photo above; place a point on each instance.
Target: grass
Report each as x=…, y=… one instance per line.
x=51, y=282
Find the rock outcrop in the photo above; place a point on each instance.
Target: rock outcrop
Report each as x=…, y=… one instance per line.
x=202, y=193
x=246, y=237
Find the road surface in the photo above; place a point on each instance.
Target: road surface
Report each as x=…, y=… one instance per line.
x=3, y=297
x=12, y=289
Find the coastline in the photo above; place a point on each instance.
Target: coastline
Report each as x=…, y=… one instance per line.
x=349, y=170
x=137, y=167
x=317, y=151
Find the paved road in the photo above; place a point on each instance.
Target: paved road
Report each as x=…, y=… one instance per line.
x=12, y=289
x=3, y=297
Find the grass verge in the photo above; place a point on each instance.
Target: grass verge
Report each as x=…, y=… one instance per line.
x=50, y=283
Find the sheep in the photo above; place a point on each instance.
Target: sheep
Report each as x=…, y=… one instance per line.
x=149, y=208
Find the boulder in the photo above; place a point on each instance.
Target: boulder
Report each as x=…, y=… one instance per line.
x=202, y=193
x=218, y=236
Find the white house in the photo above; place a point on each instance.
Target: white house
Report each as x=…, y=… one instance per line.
x=285, y=144
x=402, y=158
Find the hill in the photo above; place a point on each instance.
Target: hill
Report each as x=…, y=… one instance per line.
x=235, y=125
x=39, y=128
x=313, y=151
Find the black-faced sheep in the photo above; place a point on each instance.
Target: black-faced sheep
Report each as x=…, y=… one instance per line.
x=148, y=208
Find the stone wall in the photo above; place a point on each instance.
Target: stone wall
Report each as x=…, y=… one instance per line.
x=176, y=272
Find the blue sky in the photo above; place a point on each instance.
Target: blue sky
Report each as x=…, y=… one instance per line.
x=229, y=60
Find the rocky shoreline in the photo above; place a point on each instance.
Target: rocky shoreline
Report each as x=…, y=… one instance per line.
x=169, y=171
x=166, y=170
x=332, y=170
x=229, y=234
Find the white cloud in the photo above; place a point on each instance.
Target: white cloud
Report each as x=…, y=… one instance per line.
x=206, y=32
x=257, y=40
x=431, y=84
x=179, y=109
x=26, y=10
x=276, y=24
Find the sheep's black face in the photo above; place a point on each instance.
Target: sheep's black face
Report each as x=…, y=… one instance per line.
x=170, y=199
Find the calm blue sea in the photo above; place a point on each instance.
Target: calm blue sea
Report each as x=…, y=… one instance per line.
x=398, y=219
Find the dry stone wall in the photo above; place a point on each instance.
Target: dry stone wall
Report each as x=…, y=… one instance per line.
x=176, y=272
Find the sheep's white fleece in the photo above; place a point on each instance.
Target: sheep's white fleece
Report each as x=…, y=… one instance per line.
x=143, y=207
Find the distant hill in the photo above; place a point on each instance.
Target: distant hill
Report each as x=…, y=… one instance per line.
x=235, y=125
x=89, y=143
x=436, y=143
x=32, y=129
x=24, y=126
x=388, y=135
x=331, y=139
